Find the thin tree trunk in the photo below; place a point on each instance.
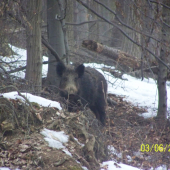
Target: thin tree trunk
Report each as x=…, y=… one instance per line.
x=162, y=74
x=81, y=31
x=162, y=92
x=34, y=49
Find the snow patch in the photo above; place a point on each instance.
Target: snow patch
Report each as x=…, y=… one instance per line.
x=55, y=139
x=32, y=98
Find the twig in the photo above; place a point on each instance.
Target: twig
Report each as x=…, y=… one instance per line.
x=123, y=32
x=19, y=93
x=82, y=23
x=22, y=68
x=121, y=22
x=53, y=52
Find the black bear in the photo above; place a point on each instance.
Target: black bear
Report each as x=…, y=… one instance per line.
x=83, y=84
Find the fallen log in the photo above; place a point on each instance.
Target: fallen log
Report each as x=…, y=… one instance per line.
x=122, y=58
x=119, y=56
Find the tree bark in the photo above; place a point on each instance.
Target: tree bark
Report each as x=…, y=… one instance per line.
x=80, y=15
x=122, y=58
x=162, y=74
x=34, y=49
x=55, y=39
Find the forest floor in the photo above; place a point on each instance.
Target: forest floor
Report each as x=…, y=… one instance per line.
x=131, y=139
x=136, y=141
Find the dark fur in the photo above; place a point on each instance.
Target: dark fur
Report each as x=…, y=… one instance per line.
x=86, y=84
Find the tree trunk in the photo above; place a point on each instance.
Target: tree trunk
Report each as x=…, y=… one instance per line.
x=55, y=38
x=34, y=49
x=81, y=31
x=162, y=74
x=126, y=12
x=104, y=33
x=162, y=92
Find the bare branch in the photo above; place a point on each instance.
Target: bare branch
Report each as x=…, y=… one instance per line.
x=24, y=67
x=121, y=22
x=124, y=33
x=19, y=93
x=82, y=23
x=53, y=52
x=160, y=3
x=44, y=42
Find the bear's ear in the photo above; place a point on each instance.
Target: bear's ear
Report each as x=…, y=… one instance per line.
x=60, y=68
x=80, y=70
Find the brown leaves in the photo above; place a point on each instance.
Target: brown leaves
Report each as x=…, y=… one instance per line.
x=129, y=131
x=7, y=125
x=19, y=154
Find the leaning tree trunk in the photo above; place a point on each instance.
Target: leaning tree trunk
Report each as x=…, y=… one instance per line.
x=162, y=74
x=34, y=50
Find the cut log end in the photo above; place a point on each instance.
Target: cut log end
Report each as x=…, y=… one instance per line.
x=92, y=45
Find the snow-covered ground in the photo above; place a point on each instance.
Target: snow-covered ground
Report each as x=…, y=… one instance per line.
x=141, y=93
x=32, y=98
x=20, y=61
